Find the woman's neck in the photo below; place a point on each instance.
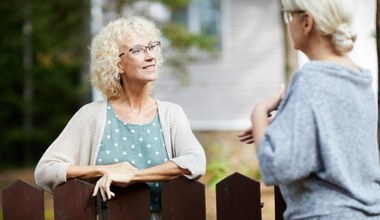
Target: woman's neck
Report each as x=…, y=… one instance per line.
x=133, y=103
x=134, y=97
x=323, y=50
x=135, y=110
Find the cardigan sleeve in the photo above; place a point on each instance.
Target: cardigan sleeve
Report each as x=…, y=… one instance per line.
x=188, y=152
x=74, y=146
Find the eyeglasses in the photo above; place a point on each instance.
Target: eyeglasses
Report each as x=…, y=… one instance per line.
x=140, y=49
x=287, y=15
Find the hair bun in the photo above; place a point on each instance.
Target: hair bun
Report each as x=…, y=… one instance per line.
x=344, y=38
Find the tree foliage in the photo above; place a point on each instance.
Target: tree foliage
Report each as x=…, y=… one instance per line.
x=58, y=48
x=54, y=80
x=184, y=46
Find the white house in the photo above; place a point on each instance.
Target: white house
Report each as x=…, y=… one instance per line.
x=223, y=89
x=250, y=65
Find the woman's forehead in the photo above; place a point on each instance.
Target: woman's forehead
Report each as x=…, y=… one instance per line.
x=134, y=39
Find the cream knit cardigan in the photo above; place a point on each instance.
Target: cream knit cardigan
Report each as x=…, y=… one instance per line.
x=79, y=143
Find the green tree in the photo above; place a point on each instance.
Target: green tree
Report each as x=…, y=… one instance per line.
x=44, y=58
x=182, y=41
x=39, y=91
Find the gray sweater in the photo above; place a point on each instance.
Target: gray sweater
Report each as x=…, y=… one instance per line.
x=322, y=149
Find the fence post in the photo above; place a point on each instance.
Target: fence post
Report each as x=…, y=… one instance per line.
x=131, y=202
x=279, y=204
x=238, y=197
x=74, y=200
x=23, y=201
x=183, y=199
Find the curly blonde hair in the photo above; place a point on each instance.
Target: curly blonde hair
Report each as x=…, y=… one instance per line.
x=104, y=52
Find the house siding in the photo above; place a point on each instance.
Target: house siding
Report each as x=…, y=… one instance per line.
x=223, y=90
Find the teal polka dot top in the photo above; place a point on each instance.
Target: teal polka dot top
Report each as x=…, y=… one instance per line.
x=142, y=146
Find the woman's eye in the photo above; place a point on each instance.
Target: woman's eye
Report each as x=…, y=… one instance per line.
x=136, y=50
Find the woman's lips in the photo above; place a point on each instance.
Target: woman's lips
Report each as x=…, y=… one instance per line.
x=150, y=67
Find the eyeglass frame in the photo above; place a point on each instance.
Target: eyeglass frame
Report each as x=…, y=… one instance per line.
x=287, y=15
x=149, y=47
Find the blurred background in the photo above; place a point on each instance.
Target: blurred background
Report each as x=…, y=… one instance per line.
x=222, y=56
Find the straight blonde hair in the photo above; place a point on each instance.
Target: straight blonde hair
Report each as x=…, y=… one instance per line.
x=333, y=19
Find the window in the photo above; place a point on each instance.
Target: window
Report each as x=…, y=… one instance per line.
x=201, y=17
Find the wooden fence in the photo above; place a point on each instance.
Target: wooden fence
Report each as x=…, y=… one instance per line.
x=237, y=197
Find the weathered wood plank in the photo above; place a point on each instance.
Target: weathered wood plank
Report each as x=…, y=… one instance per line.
x=22, y=200
x=130, y=203
x=74, y=200
x=183, y=199
x=238, y=197
x=279, y=204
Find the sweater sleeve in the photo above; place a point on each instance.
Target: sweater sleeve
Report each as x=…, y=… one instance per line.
x=289, y=150
x=72, y=146
x=188, y=152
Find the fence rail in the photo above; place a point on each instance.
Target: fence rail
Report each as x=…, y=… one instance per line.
x=237, y=197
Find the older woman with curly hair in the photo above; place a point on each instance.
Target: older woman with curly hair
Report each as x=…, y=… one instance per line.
x=128, y=137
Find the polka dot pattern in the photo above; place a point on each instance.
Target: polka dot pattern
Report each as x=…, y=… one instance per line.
x=141, y=145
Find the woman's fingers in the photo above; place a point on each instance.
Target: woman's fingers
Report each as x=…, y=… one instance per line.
x=103, y=185
x=103, y=194
x=282, y=90
x=119, y=174
x=246, y=136
x=106, y=188
x=96, y=189
x=250, y=141
x=110, y=194
x=246, y=139
x=272, y=103
x=280, y=95
x=246, y=132
x=100, y=185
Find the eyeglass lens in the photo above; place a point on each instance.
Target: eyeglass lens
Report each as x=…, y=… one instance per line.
x=140, y=48
x=287, y=16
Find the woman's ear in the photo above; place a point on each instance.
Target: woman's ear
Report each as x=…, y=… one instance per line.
x=307, y=23
x=120, y=67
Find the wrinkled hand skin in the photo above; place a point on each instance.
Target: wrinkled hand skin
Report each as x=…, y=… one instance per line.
x=119, y=174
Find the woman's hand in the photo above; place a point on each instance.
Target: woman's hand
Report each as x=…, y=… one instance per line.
x=271, y=104
x=119, y=174
x=262, y=111
x=246, y=136
x=117, y=167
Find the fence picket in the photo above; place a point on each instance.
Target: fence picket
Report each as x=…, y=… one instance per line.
x=130, y=203
x=23, y=201
x=279, y=204
x=238, y=197
x=183, y=199
x=74, y=200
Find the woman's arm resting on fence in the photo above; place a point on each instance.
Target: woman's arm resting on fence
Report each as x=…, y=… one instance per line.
x=162, y=172
x=91, y=172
